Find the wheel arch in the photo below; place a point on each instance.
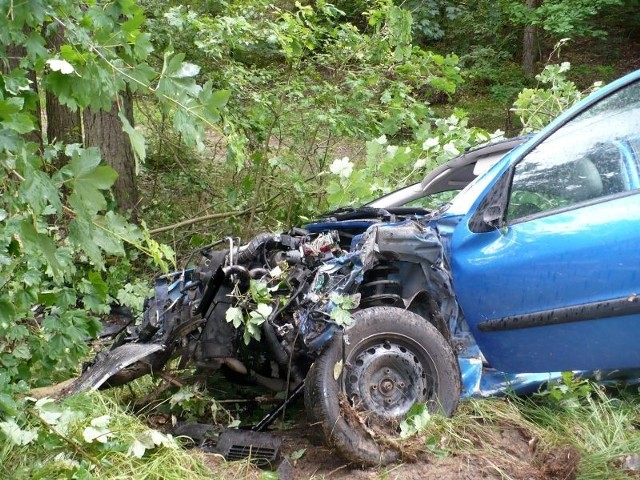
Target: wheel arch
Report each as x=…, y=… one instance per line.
x=424, y=305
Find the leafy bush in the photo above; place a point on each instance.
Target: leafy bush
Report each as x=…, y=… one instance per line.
x=65, y=252
x=388, y=167
x=88, y=436
x=305, y=84
x=536, y=107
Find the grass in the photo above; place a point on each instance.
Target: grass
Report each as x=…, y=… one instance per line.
x=602, y=428
x=62, y=451
x=519, y=437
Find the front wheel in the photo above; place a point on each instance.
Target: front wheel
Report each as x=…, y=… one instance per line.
x=363, y=385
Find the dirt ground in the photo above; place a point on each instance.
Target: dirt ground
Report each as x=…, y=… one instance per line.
x=511, y=455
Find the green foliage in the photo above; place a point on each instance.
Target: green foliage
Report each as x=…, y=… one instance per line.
x=388, y=167
x=416, y=421
x=536, y=107
x=56, y=237
x=430, y=15
x=342, y=304
x=570, y=392
x=193, y=404
x=87, y=436
x=304, y=83
x=252, y=311
x=65, y=254
x=563, y=18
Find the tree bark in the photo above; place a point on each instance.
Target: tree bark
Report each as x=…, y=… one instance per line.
x=529, y=43
x=104, y=130
x=63, y=124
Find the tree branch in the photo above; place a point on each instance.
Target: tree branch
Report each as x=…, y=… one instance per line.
x=213, y=216
x=69, y=441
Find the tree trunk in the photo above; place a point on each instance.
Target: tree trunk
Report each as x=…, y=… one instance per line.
x=63, y=124
x=529, y=44
x=104, y=130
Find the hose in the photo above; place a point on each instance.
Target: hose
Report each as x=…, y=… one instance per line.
x=280, y=355
x=249, y=251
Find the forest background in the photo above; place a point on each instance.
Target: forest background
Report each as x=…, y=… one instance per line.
x=133, y=133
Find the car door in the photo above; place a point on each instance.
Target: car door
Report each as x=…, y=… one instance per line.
x=547, y=268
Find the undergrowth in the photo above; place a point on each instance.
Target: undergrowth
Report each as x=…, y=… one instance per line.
x=95, y=436
x=91, y=436
x=575, y=415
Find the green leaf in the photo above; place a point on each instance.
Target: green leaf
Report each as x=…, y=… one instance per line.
x=15, y=434
x=89, y=180
x=16, y=81
x=7, y=313
x=143, y=46
x=111, y=230
x=38, y=189
x=21, y=351
x=82, y=234
x=417, y=419
x=101, y=421
x=134, y=22
x=136, y=449
x=10, y=106
x=269, y=475
x=234, y=315
x=102, y=177
x=17, y=332
x=98, y=283
x=83, y=160
x=35, y=45
x=8, y=405
x=20, y=123
x=341, y=317
x=43, y=244
x=297, y=454
x=218, y=99
x=172, y=63
x=143, y=75
x=137, y=139
x=187, y=70
x=9, y=141
x=98, y=434
x=49, y=410
x=346, y=302
x=259, y=291
x=337, y=370
x=264, y=310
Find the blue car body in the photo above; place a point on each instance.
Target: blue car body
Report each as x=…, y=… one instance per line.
x=555, y=289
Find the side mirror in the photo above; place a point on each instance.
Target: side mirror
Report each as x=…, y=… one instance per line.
x=493, y=215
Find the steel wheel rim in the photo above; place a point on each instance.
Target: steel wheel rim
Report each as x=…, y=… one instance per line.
x=386, y=375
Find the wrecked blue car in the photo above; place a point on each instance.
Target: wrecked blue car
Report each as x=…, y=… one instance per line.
x=531, y=269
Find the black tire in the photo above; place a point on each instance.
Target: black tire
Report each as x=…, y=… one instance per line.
x=392, y=358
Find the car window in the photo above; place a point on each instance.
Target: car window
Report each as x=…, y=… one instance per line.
x=593, y=156
x=431, y=202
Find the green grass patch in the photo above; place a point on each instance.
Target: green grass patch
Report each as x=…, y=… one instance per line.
x=90, y=436
x=597, y=428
